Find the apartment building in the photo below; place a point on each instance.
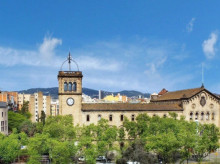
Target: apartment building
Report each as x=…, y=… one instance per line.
x=38, y=103
x=46, y=104
x=54, y=107
x=3, y=118
x=22, y=98
x=11, y=98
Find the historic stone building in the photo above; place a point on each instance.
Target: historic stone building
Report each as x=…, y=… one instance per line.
x=196, y=104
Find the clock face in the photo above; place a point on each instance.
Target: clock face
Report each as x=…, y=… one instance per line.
x=70, y=101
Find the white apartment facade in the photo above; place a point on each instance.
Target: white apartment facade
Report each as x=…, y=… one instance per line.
x=54, y=107
x=3, y=118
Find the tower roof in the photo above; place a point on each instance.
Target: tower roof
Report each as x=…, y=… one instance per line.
x=69, y=60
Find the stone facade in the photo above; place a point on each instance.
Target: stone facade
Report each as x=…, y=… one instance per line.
x=70, y=87
x=197, y=104
x=203, y=113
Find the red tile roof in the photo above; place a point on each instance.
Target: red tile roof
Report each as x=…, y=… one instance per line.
x=130, y=107
x=177, y=95
x=163, y=91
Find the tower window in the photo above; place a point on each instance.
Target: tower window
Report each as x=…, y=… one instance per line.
x=207, y=116
x=132, y=117
x=99, y=117
x=65, y=86
x=213, y=116
x=196, y=116
x=191, y=116
x=74, y=86
x=110, y=117
x=87, y=118
x=70, y=86
x=122, y=117
x=202, y=115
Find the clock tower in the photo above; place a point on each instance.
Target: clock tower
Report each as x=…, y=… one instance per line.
x=70, y=91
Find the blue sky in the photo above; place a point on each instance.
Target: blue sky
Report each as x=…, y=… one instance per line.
x=133, y=45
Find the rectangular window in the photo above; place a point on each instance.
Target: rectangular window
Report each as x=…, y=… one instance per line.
x=6, y=125
x=87, y=118
x=2, y=126
x=122, y=117
x=110, y=117
x=132, y=117
x=2, y=114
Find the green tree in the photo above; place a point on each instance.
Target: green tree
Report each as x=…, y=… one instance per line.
x=15, y=120
x=38, y=145
x=43, y=117
x=25, y=107
x=136, y=152
x=28, y=127
x=131, y=128
x=188, y=138
x=87, y=148
x=9, y=148
x=61, y=152
x=25, y=110
x=206, y=141
x=60, y=127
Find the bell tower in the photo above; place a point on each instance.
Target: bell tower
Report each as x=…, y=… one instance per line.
x=70, y=91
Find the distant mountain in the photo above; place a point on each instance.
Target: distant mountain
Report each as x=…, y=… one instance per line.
x=53, y=92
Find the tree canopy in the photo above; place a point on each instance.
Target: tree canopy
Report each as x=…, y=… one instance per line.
x=151, y=138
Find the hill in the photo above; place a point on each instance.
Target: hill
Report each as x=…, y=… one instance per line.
x=53, y=92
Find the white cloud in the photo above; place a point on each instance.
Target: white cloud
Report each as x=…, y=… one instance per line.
x=190, y=25
x=46, y=49
x=209, y=45
x=44, y=56
x=109, y=65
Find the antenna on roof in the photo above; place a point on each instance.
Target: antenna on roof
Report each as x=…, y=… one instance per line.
x=202, y=75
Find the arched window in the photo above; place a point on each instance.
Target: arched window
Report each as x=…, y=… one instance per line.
x=132, y=117
x=191, y=116
x=196, y=116
x=87, y=118
x=74, y=86
x=213, y=116
x=65, y=86
x=110, y=117
x=122, y=117
x=70, y=86
x=202, y=116
x=207, y=116
x=99, y=117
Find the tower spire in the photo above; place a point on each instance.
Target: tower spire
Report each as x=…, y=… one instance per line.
x=202, y=76
x=69, y=61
